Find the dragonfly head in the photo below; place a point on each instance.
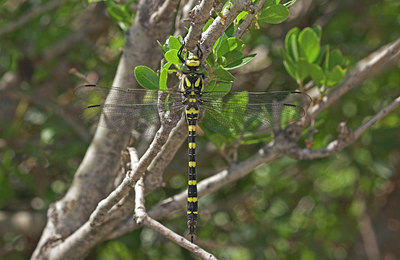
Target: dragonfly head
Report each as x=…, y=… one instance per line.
x=192, y=61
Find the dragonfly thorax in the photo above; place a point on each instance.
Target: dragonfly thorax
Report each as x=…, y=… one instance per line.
x=192, y=84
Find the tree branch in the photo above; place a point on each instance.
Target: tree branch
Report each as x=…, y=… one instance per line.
x=140, y=209
x=196, y=250
x=199, y=15
x=141, y=217
x=249, y=19
x=131, y=178
x=182, y=19
x=344, y=140
x=156, y=169
x=211, y=184
x=218, y=26
x=164, y=12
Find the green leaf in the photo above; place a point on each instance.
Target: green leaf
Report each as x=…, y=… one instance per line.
x=290, y=69
x=223, y=87
x=288, y=63
x=223, y=75
x=232, y=56
x=240, y=63
x=241, y=16
x=174, y=43
x=163, y=78
x=309, y=44
x=291, y=43
x=335, y=76
x=317, y=74
x=167, y=65
x=302, y=70
x=321, y=54
x=210, y=60
x=220, y=86
x=222, y=38
x=335, y=58
x=274, y=14
x=229, y=45
x=146, y=77
x=172, y=56
x=210, y=86
x=230, y=31
x=269, y=3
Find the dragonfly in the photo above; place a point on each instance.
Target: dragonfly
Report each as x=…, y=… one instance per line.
x=228, y=113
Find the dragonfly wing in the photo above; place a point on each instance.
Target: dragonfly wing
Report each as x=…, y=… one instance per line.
x=128, y=109
x=239, y=112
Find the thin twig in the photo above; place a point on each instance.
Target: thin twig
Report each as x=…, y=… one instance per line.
x=249, y=19
x=140, y=210
x=182, y=20
x=198, y=18
x=196, y=250
x=340, y=143
x=163, y=12
x=219, y=25
x=156, y=169
x=377, y=117
x=141, y=217
x=97, y=217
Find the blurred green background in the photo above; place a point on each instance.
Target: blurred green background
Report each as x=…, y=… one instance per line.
x=330, y=208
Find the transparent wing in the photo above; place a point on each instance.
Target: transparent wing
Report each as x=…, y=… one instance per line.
x=256, y=112
x=126, y=109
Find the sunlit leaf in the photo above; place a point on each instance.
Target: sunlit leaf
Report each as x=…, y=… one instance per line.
x=274, y=14
x=146, y=77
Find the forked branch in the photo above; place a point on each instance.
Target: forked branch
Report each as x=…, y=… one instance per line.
x=345, y=138
x=141, y=218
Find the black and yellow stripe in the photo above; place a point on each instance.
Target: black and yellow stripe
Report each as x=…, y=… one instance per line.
x=192, y=207
x=192, y=89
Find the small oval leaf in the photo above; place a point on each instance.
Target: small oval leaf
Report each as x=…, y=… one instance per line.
x=223, y=75
x=309, y=44
x=291, y=43
x=163, y=79
x=229, y=45
x=274, y=14
x=240, y=63
x=174, y=43
x=172, y=56
x=146, y=77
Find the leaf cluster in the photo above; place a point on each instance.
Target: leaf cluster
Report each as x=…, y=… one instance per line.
x=305, y=57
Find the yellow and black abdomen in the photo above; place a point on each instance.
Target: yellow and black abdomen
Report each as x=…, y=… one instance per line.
x=192, y=207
